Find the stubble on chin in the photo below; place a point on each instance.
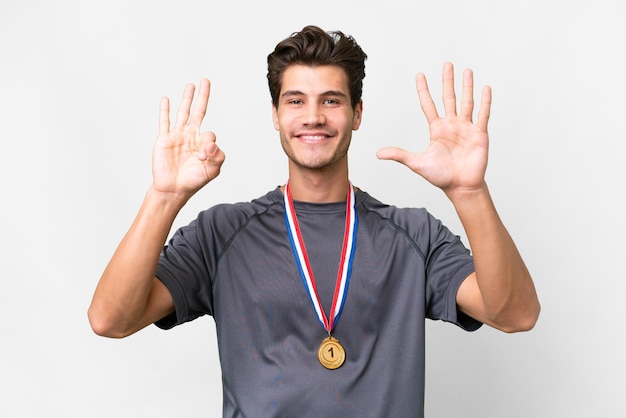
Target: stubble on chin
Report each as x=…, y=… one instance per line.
x=315, y=162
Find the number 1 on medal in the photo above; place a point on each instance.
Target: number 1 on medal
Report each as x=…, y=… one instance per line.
x=331, y=353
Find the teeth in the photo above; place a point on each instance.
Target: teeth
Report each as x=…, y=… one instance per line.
x=313, y=137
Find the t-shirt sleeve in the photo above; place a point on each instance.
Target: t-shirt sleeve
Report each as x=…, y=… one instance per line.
x=185, y=270
x=448, y=264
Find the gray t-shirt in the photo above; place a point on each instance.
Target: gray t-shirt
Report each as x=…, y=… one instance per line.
x=235, y=262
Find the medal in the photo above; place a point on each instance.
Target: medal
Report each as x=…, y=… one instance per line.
x=331, y=354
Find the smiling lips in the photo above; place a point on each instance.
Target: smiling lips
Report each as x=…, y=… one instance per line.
x=313, y=136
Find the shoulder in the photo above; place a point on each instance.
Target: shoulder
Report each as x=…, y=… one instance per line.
x=417, y=225
x=228, y=218
x=238, y=213
x=405, y=217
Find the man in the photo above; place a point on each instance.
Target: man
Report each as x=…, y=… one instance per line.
x=319, y=292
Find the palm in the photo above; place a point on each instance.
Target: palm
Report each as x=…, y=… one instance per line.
x=176, y=165
x=456, y=157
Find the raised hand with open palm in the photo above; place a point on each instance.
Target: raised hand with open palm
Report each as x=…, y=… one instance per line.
x=456, y=158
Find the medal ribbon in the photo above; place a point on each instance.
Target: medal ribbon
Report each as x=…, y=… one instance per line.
x=345, y=262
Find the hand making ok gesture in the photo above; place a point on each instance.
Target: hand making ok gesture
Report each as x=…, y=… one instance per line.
x=456, y=159
x=184, y=159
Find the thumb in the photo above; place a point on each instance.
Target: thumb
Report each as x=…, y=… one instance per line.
x=393, y=153
x=410, y=159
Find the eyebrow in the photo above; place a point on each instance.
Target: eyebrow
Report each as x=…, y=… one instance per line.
x=336, y=93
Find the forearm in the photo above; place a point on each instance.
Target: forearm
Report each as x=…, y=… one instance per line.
x=120, y=299
x=509, y=299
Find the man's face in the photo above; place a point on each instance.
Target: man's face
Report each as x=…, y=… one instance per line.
x=315, y=117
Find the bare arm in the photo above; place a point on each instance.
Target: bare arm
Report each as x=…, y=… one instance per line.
x=501, y=292
x=129, y=296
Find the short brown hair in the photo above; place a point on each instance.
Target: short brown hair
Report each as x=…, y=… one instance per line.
x=313, y=46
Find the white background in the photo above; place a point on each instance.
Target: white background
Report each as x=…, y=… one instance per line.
x=80, y=84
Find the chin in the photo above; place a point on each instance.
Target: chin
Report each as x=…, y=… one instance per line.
x=318, y=163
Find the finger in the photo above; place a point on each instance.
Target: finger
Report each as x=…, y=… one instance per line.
x=449, y=97
x=199, y=110
x=215, y=156
x=485, y=108
x=396, y=154
x=426, y=101
x=467, y=101
x=391, y=153
x=206, y=145
x=185, y=105
x=212, y=158
x=164, y=115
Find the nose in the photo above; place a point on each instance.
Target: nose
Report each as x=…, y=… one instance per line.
x=313, y=114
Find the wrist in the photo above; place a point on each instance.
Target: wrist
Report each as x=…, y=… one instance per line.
x=468, y=195
x=168, y=201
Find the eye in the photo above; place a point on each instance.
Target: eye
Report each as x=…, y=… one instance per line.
x=295, y=102
x=331, y=102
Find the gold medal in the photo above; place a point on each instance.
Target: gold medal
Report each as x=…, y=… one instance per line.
x=331, y=354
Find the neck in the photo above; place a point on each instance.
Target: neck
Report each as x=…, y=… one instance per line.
x=318, y=187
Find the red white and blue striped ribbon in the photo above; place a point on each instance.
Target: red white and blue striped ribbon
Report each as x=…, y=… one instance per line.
x=304, y=267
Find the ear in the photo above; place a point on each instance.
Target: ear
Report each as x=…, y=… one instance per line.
x=275, y=117
x=358, y=115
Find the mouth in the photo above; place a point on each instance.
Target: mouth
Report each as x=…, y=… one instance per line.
x=313, y=136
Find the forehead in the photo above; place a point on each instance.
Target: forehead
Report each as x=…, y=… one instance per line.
x=314, y=80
